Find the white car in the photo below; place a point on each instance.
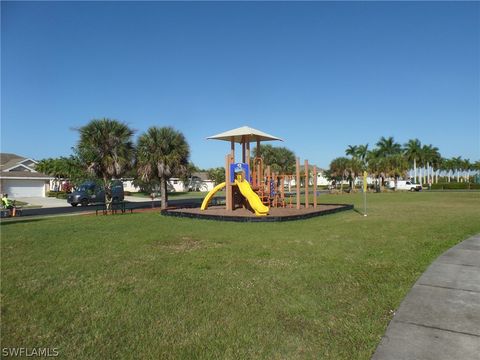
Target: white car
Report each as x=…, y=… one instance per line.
x=408, y=185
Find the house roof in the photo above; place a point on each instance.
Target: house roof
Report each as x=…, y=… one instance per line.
x=7, y=158
x=202, y=175
x=238, y=135
x=9, y=163
x=23, y=175
x=310, y=166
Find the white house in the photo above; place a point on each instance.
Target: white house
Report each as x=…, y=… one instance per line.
x=321, y=179
x=18, y=177
x=198, y=182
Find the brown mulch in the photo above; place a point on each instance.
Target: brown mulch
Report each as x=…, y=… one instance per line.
x=242, y=212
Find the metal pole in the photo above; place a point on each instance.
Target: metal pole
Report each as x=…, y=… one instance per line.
x=364, y=203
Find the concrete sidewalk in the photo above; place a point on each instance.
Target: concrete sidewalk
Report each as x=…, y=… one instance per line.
x=440, y=317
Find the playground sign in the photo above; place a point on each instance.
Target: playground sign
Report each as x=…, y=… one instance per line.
x=239, y=167
x=365, y=174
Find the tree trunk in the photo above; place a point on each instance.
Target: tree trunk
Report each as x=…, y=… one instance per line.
x=414, y=170
x=428, y=173
x=163, y=193
x=108, y=193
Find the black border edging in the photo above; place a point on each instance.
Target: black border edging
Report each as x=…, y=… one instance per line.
x=344, y=207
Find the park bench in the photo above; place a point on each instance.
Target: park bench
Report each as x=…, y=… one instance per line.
x=115, y=208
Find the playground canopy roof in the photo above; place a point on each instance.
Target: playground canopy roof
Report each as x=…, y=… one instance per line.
x=244, y=133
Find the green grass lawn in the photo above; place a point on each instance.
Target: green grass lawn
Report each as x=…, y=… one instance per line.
x=148, y=286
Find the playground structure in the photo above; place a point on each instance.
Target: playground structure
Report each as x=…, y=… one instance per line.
x=249, y=184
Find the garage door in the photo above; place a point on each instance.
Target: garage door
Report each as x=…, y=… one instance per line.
x=24, y=188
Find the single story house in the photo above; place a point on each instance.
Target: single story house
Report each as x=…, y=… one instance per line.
x=18, y=177
x=199, y=181
x=321, y=178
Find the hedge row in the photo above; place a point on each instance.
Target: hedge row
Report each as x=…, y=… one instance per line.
x=455, y=186
x=57, y=194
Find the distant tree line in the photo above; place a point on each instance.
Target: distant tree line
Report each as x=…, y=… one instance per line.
x=389, y=159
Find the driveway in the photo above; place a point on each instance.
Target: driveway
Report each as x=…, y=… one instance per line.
x=45, y=202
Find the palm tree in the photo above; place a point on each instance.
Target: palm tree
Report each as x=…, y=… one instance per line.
x=106, y=150
x=388, y=146
x=422, y=163
x=456, y=166
x=356, y=163
x=476, y=166
x=362, y=152
x=377, y=165
x=352, y=150
x=162, y=153
x=450, y=166
x=430, y=153
x=355, y=167
x=397, y=166
x=436, y=161
x=467, y=167
x=439, y=166
x=412, y=151
x=339, y=169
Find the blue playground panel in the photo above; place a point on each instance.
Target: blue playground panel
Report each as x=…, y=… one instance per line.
x=239, y=166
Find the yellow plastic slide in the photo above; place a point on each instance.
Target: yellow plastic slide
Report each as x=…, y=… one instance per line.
x=252, y=198
x=209, y=196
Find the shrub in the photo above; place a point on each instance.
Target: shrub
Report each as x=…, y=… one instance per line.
x=455, y=186
x=58, y=194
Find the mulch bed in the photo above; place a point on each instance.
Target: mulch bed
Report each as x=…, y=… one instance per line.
x=245, y=215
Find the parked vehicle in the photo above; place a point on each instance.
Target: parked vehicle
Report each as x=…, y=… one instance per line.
x=403, y=185
x=408, y=185
x=90, y=193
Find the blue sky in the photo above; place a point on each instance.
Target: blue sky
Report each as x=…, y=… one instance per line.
x=320, y=75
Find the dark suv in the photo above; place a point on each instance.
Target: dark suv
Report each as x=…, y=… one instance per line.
x=90, y=193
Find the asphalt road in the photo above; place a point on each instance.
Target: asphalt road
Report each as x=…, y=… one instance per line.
x=81, y=209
